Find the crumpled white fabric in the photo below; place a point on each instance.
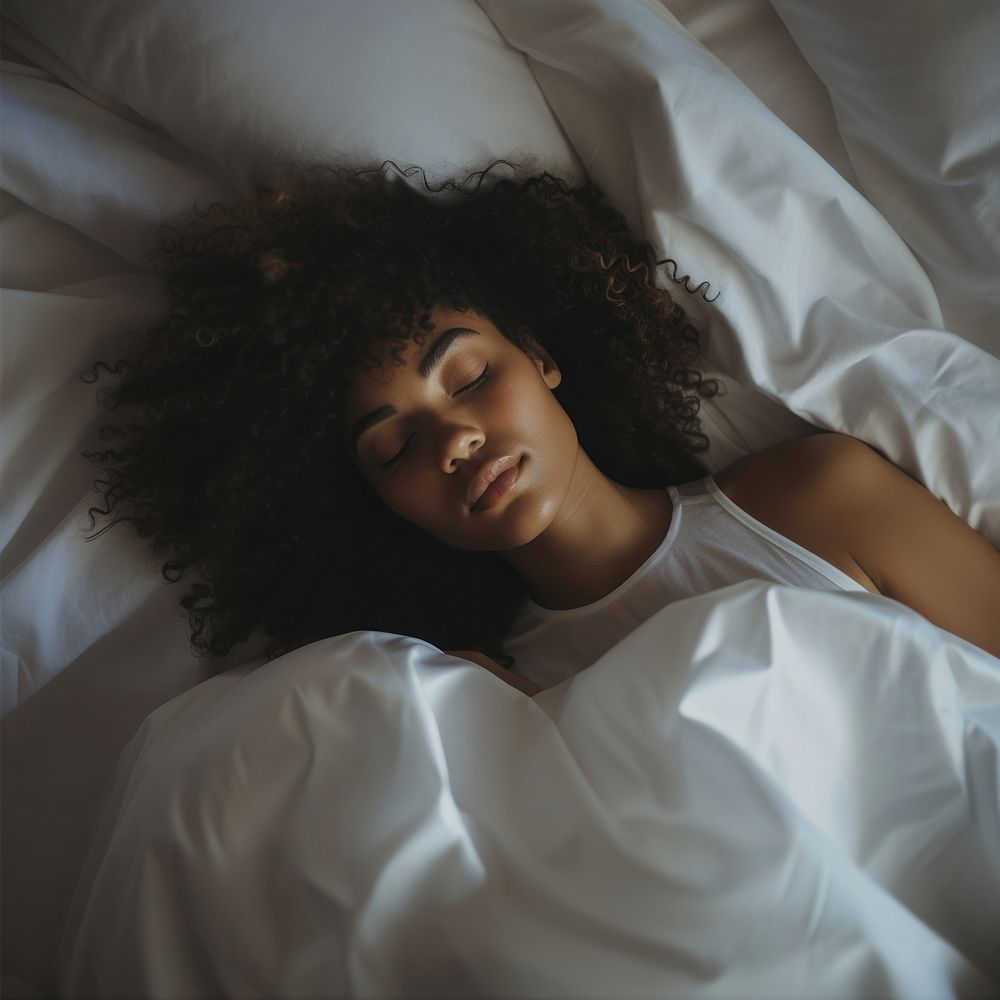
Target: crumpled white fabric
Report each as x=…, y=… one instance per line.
x=915, y=90
x=821, y=304
x=817, y=306
x=763, y=791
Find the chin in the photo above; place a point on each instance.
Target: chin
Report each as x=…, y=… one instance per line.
x=520, y=524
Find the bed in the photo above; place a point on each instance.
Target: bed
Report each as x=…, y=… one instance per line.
x=762, y=791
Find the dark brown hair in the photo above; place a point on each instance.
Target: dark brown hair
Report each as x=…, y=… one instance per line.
x=227, y=439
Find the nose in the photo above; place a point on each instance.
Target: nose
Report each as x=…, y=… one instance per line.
x=460, y=444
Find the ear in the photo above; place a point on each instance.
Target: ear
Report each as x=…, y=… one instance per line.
x=542, y=360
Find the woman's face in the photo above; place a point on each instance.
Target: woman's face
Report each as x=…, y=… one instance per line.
x=421, y=433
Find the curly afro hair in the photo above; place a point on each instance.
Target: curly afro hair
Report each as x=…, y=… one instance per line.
x=228, y=443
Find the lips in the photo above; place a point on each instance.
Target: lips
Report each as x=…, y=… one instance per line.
x=486, y=474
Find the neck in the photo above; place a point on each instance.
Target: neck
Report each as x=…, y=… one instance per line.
x=601, y=535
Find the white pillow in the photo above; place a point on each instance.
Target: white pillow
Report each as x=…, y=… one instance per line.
x=915, y=86
x=816, y=301
x=750, y=38
x=244, y=82
x=824, y=309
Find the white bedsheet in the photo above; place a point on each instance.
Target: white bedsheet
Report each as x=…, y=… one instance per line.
x=764, y=791
x=560, y=806
x=822, y=306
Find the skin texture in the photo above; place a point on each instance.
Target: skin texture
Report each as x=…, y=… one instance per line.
x=840, y=498
x=226, y=410
x=568, y=530
x=574, y=535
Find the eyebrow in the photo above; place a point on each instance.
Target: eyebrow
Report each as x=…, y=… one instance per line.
x=431, y=359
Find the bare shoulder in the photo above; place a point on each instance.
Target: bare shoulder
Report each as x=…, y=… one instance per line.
x=845, y=501
x=799, y=488
x=787, y=472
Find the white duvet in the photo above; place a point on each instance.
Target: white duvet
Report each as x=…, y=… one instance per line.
x=760, y=792
x=764, y=791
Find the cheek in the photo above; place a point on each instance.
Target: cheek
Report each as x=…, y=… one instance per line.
x=527, y=407
x=418, y=496
x=521, y=413
x=542, y=416
x=404, y=493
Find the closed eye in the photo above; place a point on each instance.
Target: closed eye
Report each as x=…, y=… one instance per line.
x=399, y=454
x=487, y=371
x=476, y=382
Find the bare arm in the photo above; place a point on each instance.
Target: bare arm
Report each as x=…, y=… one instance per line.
x=915, y=549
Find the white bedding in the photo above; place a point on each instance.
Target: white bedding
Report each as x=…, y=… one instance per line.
x=810, y=810
x=582, y=842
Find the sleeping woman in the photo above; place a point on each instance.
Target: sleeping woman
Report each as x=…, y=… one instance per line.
x=472, y=419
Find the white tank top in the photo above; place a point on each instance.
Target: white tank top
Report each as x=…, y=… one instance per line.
x=710, y=543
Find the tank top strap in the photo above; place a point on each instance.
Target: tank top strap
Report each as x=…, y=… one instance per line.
x=698, y=489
